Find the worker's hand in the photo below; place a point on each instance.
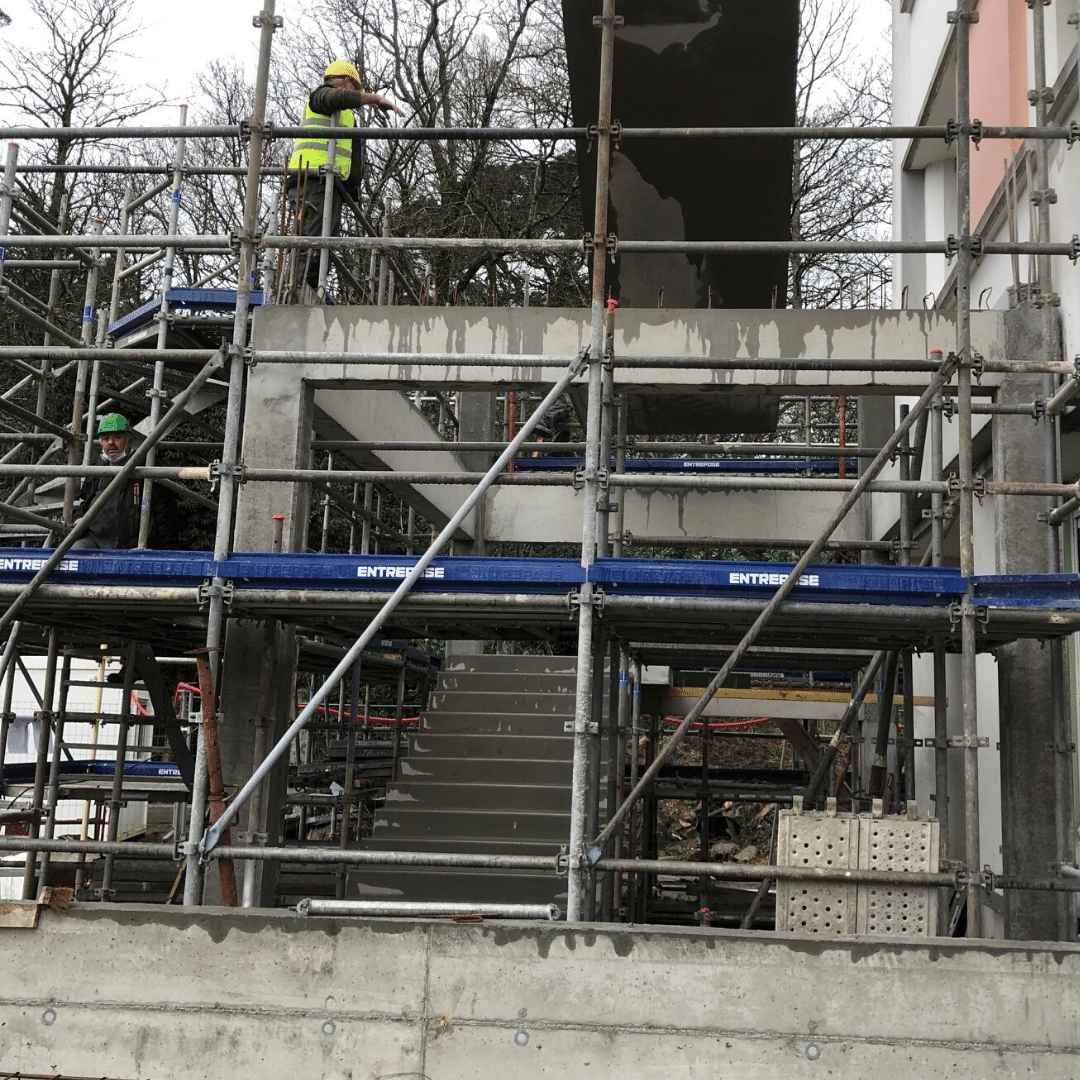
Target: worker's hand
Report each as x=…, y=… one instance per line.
x=385, y=104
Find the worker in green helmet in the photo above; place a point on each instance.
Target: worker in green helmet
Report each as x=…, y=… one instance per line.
x=117, y=525
x=341, y=93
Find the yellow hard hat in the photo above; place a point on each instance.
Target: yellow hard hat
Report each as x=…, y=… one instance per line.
x=343, y=67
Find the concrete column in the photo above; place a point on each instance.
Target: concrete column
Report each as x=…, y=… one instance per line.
x=1024, y=678
x=239, y=726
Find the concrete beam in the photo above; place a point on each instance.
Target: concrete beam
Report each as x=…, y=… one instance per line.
x=255, y=994
x=561, y=333
x=553, y=515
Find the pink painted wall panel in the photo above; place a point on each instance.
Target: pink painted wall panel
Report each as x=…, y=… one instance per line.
x=999, y=88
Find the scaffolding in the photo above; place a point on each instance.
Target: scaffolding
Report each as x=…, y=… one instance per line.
x=614, y=634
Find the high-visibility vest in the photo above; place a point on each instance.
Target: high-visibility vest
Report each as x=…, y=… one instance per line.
x=311, y=153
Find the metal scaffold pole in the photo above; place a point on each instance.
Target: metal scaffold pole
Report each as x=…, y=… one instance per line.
x=579, y=892
x=965, y=15
x=228, y=467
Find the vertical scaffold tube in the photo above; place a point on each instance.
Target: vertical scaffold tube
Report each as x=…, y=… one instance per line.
x=158, y=391
x=579, y=872
x=230, y=449
x=972, y=850
x=1042, y=198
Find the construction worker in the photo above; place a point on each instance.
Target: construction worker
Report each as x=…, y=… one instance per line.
x=341, y=92
x=117, y=525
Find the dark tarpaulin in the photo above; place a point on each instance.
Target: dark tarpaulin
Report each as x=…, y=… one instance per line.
x=693, y=63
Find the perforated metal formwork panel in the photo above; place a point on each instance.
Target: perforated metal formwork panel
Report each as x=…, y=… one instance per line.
x=897, y=844
x=819, y=840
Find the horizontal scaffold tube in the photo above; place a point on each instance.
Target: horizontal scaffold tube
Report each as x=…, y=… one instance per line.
x=1052, y=132
x=470, y=860
x=557, y=479
x=155, y=472
x=415, y=909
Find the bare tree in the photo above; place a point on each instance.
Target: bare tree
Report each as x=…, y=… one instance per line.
x=842, y=190
x=73, y=82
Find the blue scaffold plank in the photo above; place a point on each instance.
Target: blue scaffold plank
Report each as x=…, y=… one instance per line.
x=727, y=466
x=15, y=772
x=1060, y=591
x=95, y=567
x=217, y=300
x=829, y=583
x=452, y=574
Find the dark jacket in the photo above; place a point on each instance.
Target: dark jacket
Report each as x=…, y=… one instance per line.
x=117, y=525
x=327, y=100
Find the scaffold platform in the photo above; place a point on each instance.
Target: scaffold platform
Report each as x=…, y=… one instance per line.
x=194, y=301
x=161, y=596
x=916, y=586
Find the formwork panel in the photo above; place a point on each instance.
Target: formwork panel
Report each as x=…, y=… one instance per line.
x=816, y=840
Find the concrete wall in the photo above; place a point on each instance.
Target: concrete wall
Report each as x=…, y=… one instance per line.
x=127, y=992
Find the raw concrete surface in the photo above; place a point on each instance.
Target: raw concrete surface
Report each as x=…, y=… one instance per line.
x=200, y=995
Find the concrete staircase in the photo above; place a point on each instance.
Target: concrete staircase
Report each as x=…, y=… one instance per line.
x=488, y=771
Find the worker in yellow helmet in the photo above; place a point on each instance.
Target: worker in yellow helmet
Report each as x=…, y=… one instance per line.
x=341, y=93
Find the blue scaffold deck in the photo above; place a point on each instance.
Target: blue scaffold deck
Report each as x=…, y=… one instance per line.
x=194, y=300
x=770, y=466
x=828, y=583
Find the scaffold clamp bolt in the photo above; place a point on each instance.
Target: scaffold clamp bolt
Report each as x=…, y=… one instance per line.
x=952, y=132
x=952, y=246
x=1074, y=248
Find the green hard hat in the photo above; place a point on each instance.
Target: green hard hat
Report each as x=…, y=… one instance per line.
x=113, y=421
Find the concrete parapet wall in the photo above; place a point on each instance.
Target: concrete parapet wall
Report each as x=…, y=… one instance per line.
x=131, y=992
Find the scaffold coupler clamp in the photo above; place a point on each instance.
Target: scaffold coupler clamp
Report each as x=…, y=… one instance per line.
x=580, y=362
x=264, y=18
x=1074, y=244
x=562, y=862
x=952, y=132
x=250, y=126
x=210, y=589
x=952, y=246
x=1038, y=408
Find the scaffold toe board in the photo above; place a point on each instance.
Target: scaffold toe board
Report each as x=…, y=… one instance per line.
x=911, y=585
x=784, y=466
x=1060, y=591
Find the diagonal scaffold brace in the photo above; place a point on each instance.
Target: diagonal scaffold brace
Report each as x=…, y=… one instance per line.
x=214, y=834
x=595, y=850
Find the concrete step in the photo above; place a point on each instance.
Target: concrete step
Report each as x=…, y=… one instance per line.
x=507, y=682
x=501, y=664
x=471, y=796
x=499, y=724
x=508, y=770
x=508, y=700
x=430, y=883
x=508, y=824
x=485, y=748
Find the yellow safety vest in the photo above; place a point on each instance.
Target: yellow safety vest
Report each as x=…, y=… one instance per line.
x=313, y=153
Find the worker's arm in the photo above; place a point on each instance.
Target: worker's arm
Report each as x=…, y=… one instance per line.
x=332, y=99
